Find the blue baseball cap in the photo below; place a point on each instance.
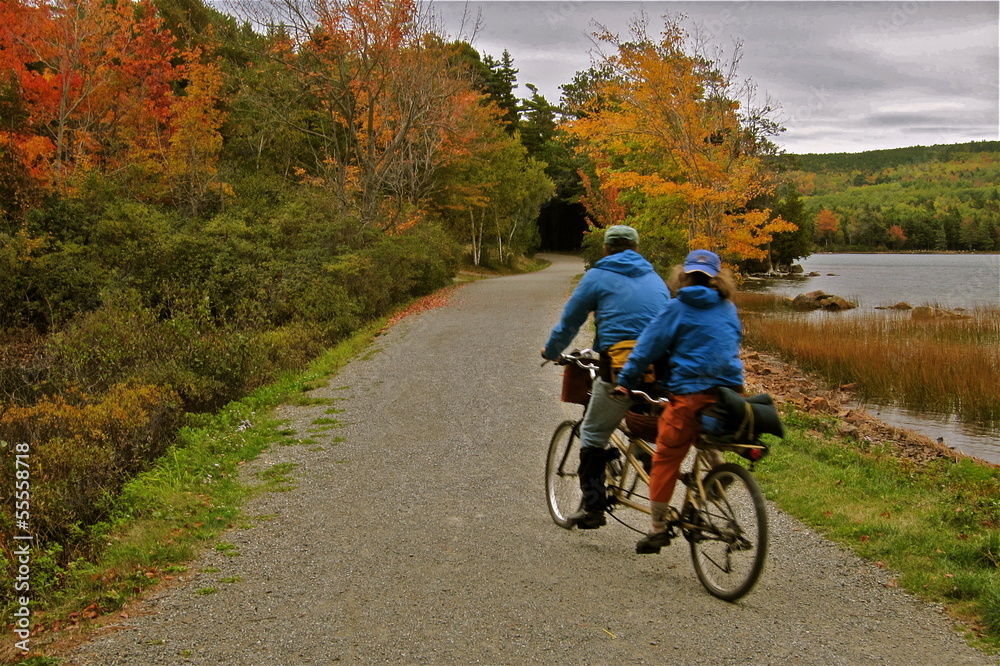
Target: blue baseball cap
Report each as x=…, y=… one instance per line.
x=702, y=261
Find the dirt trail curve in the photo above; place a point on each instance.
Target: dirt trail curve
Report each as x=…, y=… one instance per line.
x=423, y=537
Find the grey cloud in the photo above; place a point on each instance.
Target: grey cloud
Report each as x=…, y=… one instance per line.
x=826, y=63
x=911, y=121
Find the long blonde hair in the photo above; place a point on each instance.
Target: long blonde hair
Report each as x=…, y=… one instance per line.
x=724, y=282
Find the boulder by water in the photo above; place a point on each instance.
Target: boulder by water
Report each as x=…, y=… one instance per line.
x=815, y=300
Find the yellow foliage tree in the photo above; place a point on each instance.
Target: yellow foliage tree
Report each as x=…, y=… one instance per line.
x=196, y=138
x=668, y=127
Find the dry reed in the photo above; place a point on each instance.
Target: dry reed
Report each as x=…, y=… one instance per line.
x=941, y=365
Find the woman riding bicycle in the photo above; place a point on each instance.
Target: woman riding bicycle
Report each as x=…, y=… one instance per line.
x=699, y=332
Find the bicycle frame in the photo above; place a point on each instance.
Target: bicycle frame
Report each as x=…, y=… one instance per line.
x=695, y=494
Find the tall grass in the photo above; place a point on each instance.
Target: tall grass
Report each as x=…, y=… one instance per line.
x=944, y=365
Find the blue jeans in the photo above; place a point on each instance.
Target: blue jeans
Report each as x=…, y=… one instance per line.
x=604, y=412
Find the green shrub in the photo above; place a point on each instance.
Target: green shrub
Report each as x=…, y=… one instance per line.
x=44, y=282
x=20, y=350
x=396, y=268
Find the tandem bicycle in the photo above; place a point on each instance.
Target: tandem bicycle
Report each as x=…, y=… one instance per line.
x=722, y=515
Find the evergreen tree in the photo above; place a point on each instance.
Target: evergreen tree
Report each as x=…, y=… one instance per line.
x=501, y=82
x=787, y=246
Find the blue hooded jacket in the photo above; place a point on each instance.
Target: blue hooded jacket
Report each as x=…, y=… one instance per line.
x=699, y=332
x=624, y=293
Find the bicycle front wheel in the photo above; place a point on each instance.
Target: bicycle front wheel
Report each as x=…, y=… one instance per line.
x=729, y=544
x=562, y=479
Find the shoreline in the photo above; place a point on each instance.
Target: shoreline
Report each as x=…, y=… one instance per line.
x=768, y=373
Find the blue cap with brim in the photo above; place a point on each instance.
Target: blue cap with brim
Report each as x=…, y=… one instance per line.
x=702, y=261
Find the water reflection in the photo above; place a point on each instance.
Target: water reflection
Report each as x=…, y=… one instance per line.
x=877, y=280
x=969, y=439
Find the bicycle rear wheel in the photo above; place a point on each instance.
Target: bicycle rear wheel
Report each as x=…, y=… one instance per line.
x=562, y=480
x=729, y=544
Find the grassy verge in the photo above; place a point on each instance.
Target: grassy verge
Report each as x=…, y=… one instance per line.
x=935, y=526
x=521, y=265
x=167, y=515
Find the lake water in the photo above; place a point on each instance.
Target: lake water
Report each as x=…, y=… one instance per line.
x=872, y=280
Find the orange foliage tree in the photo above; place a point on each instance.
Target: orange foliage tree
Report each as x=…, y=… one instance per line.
x=490, y=192
x=897, y=237
x=95, y=77
x=601, y=200
x=668, y=128
x=389, y=100
x=827, y=225
x=195, y=142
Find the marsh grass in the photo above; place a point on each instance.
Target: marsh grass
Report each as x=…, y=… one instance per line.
x=942, y=365
x=759, y=302
x=934, y=528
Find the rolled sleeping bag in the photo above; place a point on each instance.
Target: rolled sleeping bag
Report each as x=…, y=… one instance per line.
x=741, y=419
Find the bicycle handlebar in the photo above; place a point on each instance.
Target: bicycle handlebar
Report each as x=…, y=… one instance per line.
x=648, y=398
x=582, y=359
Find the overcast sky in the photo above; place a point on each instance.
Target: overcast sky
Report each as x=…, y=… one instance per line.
x=849, y=76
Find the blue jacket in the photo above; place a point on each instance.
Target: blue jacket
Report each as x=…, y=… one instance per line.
x=700, y=333
x=624, y=293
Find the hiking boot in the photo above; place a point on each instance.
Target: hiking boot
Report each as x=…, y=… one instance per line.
x=652, y=543
x=587, y=520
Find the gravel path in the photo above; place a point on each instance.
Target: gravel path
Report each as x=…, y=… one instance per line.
x=423, y=536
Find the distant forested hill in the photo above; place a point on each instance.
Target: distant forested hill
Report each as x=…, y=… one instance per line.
x=942, y=198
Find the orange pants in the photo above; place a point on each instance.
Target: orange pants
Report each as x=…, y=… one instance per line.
x=678, y=429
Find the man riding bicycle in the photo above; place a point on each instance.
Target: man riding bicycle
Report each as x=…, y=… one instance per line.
x=625, y=293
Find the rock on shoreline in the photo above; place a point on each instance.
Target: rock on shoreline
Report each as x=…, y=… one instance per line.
x=815, y=300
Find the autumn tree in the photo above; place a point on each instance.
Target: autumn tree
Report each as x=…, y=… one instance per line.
x=896, y=236
x=490, y=196
x=827, y=225
x=386, y=94
x=97, y=77
x=195, y=139
x=678, y=129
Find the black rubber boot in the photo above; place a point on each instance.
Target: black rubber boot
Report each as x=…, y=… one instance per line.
x=595, y=495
